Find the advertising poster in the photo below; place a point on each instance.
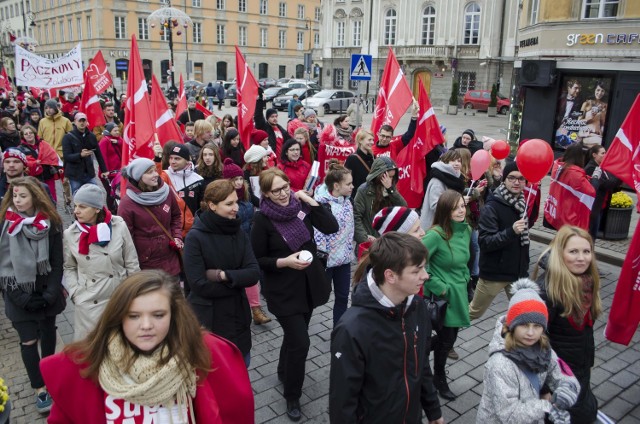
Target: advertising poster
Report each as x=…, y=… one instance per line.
x=581, y=115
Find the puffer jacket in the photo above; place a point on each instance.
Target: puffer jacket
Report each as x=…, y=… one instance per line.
x=53, y=128
x=339, y=245
x=508, y=395
x=297, y=172
x=363, y=212
x=91, y=279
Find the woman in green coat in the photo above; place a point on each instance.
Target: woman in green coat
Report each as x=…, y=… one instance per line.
x=448, y=243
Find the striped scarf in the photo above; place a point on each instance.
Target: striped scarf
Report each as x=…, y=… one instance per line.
x=519, y=204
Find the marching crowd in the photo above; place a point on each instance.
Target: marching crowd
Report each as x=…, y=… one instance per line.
x=166, y=270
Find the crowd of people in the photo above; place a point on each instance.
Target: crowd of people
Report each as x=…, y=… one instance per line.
x=166, y=270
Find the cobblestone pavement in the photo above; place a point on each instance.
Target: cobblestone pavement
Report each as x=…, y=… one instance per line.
x=615, y=377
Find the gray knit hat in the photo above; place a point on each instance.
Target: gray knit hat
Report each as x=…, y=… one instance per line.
x=52, y=103
x=108, y=128
x=89, y=195
x=137, y=168
x=255, y=153
x=525, y=305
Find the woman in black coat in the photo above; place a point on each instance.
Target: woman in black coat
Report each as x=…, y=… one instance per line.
x=282, y=235
x=219, y=264
x=360, y=162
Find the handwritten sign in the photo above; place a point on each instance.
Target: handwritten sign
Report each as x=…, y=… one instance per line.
x=37, y=71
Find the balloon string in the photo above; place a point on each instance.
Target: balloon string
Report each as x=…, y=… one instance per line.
x=526, y=204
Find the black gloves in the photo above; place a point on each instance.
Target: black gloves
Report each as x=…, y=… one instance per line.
x=36, y=302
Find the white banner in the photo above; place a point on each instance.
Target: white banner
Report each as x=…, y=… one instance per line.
x=37, y=71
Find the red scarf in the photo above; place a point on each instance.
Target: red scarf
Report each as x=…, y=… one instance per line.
x=99, y=233
x=17, y=221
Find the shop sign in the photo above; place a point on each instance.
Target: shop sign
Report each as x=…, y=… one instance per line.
x=533, y=41
x=601, y=38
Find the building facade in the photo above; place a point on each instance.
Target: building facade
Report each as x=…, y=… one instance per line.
x=435, y=41
x=578, y=70
x=273, y=35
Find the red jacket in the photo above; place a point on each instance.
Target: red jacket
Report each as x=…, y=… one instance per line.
x=571, y=197
x=111, y=148
x=297, y=172
x=391, y=150
x=224, y=397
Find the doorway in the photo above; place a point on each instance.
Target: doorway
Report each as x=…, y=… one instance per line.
x=426, y=80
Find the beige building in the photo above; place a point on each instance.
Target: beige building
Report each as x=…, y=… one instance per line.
x=273, y=35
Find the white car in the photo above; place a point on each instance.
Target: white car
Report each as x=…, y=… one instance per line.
x=331, y=100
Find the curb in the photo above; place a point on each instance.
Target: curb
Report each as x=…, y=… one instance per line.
x=605, y=255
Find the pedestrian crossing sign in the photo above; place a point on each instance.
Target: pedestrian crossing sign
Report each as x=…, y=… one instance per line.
x=360, y=67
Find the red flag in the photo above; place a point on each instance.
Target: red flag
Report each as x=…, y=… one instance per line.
x=623, y=160
x=182, y=99
x=90, y=105
x=246, y=94
x=203, y=109
x=12, y=37
x=411, y=160
x=394, y=96
x=138, y=122
x=165, y=126
x=98, y=74
x=4, y=80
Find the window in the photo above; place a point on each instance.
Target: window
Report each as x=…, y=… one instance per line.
x=282, y=39
x=164, y=34
x=263, y=70
x=301, y=11
x=300, y=40
x=220, y=36
x=242, y=35
x=196, y=3
x=53, y=32
x=317, y=13
x=79, y=28
x=316, y=40
x=533, y=11
x=62, y=39
x=357, y=33
x=282, y=9
x=46, y=32
x=242, y=5
x=338, y=78
x=594, y=9
x=143, y=29
x=197, y=32
x=263, y=7
x=282, y=71
x=120, y=27
x=263, y=37
x=428, y=25
x=390, y=20
x=467, y=82
x=340, y=34
x=89, y=28
x=220, y=5
x=70, y=24
x=471, y=23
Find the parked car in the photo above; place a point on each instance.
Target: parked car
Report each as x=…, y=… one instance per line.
x=194, y=83
x=282, y=81
x=231, y=95
x=479, y=100
x=273, y=92
x=331, y=100
x=266, y=82
x=301, y=84
x=282, y=102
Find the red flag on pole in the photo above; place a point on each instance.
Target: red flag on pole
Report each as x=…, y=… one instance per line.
x=182, y=99
x=90, y=105
x=394, y=96
x=4, y=80
x=246, y=94
x=623, y=160
x=411, y=160
x=138, y=122
x=98, y=74
x=165, y=126
x=203, y=109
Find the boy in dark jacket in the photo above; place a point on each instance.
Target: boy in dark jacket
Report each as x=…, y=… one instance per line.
x=379, y=349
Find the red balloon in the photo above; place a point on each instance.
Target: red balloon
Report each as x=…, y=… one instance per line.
x=534, y=159
x=500, y=149
x=479, y=164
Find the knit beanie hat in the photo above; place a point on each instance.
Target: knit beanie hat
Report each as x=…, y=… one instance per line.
x=255, y=154
x=230, y=169
x=509, y=167
x=257, y=136
x=182, y=151
x=191, y=100
x=51, y=103
x=309, y=112
x=108, y=128
x=525, y=305
x=137, y=168
x=90, y=195
x=396, y=218
x=16, y=154
x=36, y=110
x=470, y=133
x=270, y=112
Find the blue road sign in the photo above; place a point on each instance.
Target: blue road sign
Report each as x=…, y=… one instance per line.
x=360, y=67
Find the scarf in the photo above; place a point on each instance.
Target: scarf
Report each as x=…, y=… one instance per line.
x=448, y=179
x=288, y=220
x=25, y=244
x=532, y=358
x=219, y=224
x=516, y=202
x=147, y=383
x=99, y=234
x=580, y=319
x=150, y=198
x=343, y=133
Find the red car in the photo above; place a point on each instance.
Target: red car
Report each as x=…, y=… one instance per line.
x=479, y=100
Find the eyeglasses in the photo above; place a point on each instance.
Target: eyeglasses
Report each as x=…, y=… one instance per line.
x=282, y=190
x=513, y=179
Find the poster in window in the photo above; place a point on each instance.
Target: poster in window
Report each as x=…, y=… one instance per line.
x=582, y=111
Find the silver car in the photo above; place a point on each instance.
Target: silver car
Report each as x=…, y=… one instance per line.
x=331, y=100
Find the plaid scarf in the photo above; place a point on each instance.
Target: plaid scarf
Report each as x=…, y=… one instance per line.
x=518, y=203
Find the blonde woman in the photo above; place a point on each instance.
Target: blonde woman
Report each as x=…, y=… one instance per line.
x=202, y=134
x=360, y=162
x=568, y=274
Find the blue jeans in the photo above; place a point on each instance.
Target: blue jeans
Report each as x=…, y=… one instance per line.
x=210, y=98
x=76, y=184
x=341, y=277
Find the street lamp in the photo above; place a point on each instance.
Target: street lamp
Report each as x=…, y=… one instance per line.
x=308, y=62
x=169, y=18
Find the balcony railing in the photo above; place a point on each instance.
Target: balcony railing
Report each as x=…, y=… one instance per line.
x=417, y=52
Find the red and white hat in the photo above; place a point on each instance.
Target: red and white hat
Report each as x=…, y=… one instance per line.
x=397, y=218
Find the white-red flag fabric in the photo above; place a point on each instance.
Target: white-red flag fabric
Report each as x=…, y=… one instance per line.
x=165, y=126
x=182, y=99
x=98, y=74
x=206, y=112
x=138, y=120
x=4, y=79
x=623, y=160
x=394, y=96
x=90, y=105
x=246, y=95
x=412, y=165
